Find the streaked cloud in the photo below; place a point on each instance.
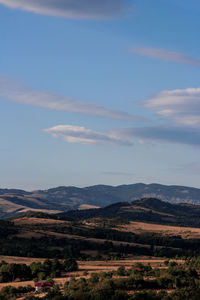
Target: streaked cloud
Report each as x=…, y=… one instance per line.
x=180, y=112
x=166, y=55
x=179, y=106
x=170, y=134
x=81, y=135
x=76, y=9
x=15, y=91
x=126, y=136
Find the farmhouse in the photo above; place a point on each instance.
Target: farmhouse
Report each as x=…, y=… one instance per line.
x=42, y=286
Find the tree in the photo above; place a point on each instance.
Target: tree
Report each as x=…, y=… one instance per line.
x=70, y=265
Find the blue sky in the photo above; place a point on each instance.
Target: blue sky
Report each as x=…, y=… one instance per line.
x=99, y=92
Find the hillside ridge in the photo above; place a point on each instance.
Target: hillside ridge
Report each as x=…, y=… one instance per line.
x=145, y=210
x=65, y=198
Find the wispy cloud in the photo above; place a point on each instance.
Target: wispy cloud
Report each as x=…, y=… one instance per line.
x=163, y=54
x=78, y=9
x=126, y=136
x=15, y=91
x=180, y=111
x=179, y=106
x=81, y=135
x=162, y=134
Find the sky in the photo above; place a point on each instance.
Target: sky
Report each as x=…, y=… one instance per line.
x=99, y=92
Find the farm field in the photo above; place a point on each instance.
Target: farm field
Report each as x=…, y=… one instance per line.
x=93, y=265
x=84, y=266
x=138, y=274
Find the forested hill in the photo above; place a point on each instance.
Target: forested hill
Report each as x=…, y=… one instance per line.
x=14, y=202
x=145, y=210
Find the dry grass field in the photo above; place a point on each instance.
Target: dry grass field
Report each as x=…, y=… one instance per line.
x=19, y=260
x=35, y=221
x=140, y=227
x=93, y=265
x=89, y=266
x=85, y=269
x=134, y=227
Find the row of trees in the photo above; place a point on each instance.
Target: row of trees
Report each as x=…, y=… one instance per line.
x=64, y=248
x=37, y=270
x=11, y=293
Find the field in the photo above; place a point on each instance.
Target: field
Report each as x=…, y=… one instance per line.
x=141, y=227
x=134, y=227
x=84, y=266
x=35, y=221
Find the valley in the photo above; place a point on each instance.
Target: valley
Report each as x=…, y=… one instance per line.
x=137, y=247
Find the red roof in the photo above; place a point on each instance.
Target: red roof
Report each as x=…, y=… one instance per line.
x=43, y=284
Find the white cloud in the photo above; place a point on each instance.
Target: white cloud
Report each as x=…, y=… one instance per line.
x=179, y=106
x=17, y=92
x=77, y=134
x=78, y=9
x=163, y=54
x=126, y=136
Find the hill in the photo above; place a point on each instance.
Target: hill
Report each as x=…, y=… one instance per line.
x=116, y=231
x=145, y=210
x=14, y=202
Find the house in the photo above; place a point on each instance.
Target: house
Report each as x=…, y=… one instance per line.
x=42, y=286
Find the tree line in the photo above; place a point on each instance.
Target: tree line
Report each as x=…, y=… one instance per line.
x=36, y=270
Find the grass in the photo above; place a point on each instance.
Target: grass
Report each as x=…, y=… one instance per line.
x=141, y=227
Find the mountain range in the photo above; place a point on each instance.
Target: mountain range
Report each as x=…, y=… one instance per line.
x=14, y=202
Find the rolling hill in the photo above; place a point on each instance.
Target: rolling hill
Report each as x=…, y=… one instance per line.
x=146, y=210
x=143, y=227
x=14, y=202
